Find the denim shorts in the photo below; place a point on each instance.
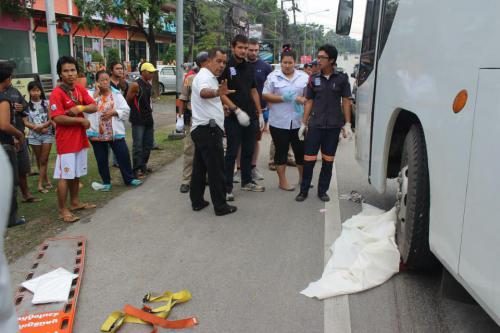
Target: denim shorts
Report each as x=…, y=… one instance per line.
x=39, y=139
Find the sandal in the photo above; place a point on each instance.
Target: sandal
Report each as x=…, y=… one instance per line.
x=83, y=206
x=290, y=189
x=31, y=200
x=69, y=218
x=49, y=186
x=43, y=190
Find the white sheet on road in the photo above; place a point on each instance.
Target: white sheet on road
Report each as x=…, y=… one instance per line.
x=364, y=256
x=51, y=287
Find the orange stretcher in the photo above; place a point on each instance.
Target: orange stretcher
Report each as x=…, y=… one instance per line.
x=68, y=253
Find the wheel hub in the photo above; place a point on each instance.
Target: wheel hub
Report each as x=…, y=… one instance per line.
x=401, y=196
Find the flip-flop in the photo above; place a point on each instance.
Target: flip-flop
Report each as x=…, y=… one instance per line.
x=70, y=218
x=31, y=200
x=83, y=206
x=290, y=189
x=49, y=186
x=43, y=190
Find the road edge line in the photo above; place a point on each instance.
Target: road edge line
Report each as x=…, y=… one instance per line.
x=336, y=314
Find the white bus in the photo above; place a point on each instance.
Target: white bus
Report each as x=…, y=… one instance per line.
x=428, y=112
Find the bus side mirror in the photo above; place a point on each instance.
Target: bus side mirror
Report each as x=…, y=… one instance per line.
x=344, y=17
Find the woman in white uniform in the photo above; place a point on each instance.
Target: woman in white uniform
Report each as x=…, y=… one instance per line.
x=284, y=90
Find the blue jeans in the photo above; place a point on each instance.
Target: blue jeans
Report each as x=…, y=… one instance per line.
x=120, y=149
x=143, y=140
x=327, y=139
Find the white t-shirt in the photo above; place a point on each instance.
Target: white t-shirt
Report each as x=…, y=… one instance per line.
x=204, y=109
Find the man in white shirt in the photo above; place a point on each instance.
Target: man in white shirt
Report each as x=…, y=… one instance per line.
x=206, y=133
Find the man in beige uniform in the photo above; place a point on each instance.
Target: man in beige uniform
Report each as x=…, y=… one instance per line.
x=185, y=113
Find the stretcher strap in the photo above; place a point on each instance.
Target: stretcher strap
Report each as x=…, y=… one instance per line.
x=158, y=321
x=151, y=316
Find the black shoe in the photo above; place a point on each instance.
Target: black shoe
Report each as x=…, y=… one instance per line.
x=324, y=197
x=200, y=207
x=19, y=221
x=184, y=188
x=301, y=197
x=228, y=210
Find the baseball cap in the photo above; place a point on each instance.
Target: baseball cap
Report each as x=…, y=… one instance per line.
x=147, y=66
x=201, y=58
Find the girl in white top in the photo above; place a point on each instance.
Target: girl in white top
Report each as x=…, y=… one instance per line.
x=41, y=134
x=284, y=90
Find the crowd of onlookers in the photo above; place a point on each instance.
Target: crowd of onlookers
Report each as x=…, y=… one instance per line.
x=74, y=118
x=236, y=96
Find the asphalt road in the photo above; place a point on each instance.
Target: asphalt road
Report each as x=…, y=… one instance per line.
x=246, y=270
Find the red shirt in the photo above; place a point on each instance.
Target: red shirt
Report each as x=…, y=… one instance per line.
x=69, y=139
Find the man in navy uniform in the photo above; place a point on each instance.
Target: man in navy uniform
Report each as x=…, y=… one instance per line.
x=327, y=112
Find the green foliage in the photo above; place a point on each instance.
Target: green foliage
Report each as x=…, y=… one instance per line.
x=97, y=57
x=113, y=56
x=14, y=8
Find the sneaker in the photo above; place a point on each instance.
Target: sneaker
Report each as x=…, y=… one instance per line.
x=256, y=175
x=135, y=182
x=184, y=188
x=237, y=176
x=202, y=205
x=230, y=196
x=19, y=221
x=324, y=197
x=227, y=210
x=301, y=197
x=253, y=187
x=101, y=187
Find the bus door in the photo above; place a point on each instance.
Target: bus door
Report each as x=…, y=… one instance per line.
x=480, y=250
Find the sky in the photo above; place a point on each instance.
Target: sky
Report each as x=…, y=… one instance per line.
x=310, y=8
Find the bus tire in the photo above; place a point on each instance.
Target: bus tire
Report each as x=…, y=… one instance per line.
x=413, y=202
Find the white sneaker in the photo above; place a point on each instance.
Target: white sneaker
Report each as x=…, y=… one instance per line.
x=230, y=196
x=237, y=176
x=256, y=174
x=253, y=187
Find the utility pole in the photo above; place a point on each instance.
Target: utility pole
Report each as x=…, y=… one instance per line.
x=179, y=45
x=52, y=35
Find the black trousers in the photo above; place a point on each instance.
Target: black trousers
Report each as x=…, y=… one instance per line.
x=10, y=150
x=246, y=137
x=208, y=158
x=282, y=139
x=327, y=140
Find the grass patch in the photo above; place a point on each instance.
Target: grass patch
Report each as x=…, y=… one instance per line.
x=43, y=216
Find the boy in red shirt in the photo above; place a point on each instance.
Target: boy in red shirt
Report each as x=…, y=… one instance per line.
x=68, y=102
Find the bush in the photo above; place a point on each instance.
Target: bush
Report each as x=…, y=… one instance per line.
x=97, y=57
x=113, y=56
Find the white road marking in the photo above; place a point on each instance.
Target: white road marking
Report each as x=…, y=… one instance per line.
x=337, y=318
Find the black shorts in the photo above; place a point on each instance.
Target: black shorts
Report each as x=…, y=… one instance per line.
x=282, y=139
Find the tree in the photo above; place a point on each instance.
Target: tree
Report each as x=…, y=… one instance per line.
x=146, y=15
x=14, y=8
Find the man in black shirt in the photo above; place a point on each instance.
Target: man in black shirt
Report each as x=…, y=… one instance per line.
x=10, y=137
x=244, y=118
x=141, y=117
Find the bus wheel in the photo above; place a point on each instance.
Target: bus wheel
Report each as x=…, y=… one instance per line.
x=413, y=200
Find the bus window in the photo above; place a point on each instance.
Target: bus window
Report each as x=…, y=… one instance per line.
x=369, y=42
x=388, y=13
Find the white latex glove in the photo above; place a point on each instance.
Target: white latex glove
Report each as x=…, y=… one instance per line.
x=262, y=123
x=242, y=117
x=179, y=125
x=347, y=131
x=302, y=131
